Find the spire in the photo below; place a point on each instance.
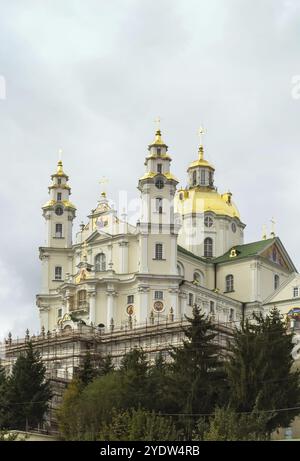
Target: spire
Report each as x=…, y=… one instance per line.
x=158, y=141
x=264, y=234
x=273, y=222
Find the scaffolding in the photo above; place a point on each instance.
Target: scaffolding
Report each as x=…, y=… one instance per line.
x=63, y=351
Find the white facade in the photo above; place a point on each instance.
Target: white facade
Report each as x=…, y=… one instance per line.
x=114, y=273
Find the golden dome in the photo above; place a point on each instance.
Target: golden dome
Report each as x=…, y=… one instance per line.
x=158, y=140
x=201, y=161
x=200, y=200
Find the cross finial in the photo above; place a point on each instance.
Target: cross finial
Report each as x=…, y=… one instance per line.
x=60, y=152
x=273, y=222
x=201, y=132
x=103, y=181
x=157, y=123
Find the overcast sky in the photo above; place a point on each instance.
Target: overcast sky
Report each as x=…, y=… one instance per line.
x=90, y=76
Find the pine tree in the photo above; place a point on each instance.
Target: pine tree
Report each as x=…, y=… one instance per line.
x=198, y=379
x=260, y=370
x=135, y=383
x=3, y=398
x=87, y=371
x=28, y=391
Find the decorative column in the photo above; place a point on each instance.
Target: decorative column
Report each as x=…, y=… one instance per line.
x=44, y=316
x=144, y=253
x=143, y=303
x=174, y=301
x=92, y=307
x=111, y=293
x=123, y=245
x=182, y=303
x=45, y=272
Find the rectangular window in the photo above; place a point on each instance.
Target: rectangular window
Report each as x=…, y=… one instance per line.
x=158, y=150
x=58, y=230
x=191, y=299
x=159, y=168
x=158, y=295
x=231, y=315
x=59, y=196
x=130, y=299
x=202, y=177
x=59, y=313
x=159, y=205
x=58, y=273
x=295, y=292
x=158, y=251
x=211, y=307
x=59, y=181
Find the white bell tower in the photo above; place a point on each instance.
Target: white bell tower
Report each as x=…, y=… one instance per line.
x=59, y=212
x=157, y=229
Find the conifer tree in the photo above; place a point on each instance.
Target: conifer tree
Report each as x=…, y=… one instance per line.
x=198, y=379
x=260, y=370
x=135, y=383
x=28, y=391
x=3, y=398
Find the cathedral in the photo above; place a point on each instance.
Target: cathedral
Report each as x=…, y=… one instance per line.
x=186, y=248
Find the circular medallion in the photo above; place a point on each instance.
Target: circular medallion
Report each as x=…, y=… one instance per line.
x=59, y=210
x=208, y=221
x=159, y=184
x=130, y=310
x=158, y=306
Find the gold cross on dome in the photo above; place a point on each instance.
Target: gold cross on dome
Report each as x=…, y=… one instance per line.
x=273, y=222
x=60, y=152
x=102, y=183
x=157, y=123
x=201, y=132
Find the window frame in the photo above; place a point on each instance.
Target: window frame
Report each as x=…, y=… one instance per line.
x=58, y=234
x=208, y=245
x=58, y=271
x=229, y=283
x=159, y=251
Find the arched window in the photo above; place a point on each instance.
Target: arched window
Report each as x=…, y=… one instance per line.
x=158, y=251
x=100, y=262
x=202, y=177
x=194, y=178
x=159, y=205
x=180, y=269
x=82, y=299
x=208, y=247
x=276, y=281
x=197, y=278
x=229, y=282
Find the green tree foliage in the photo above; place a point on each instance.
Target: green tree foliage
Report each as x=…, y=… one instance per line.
x=198, y=379
x=68, y=418
x=134, y=372
x=28, y=391
x=227, y=425
x=259, y=370
x=3, y=399
x=90, y=407
x=138, y=425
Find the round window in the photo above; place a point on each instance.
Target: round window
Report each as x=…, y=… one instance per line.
x=158, y=306
x=208, y=221
x=159, y=184
x=59, y=210
x=233, y=227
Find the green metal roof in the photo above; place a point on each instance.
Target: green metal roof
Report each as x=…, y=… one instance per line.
x=189, y=253
x=245, y=251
